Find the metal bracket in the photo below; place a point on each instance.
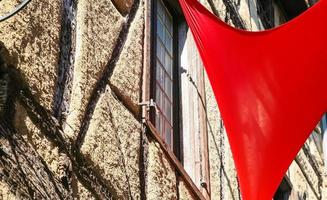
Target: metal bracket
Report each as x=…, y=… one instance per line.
x=149, y=104
x=204, y=184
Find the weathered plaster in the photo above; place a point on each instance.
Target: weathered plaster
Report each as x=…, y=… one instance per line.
x=113, y=146
x=5, y=192
x=31, y=133
x=161, y=178
x=184, y=191
x=98, y=26
x=32, y=38
x=126, y=78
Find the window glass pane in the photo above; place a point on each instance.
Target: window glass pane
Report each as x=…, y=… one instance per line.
x=168, y=135
x=168, y=42
x=169, y=24
x=163, y=127
x=168, y=88
x=160, y=9
x=160, y=31
x=169, y=116
x=168, y=107
x=160, y=74
x=162, y=102
x=168, y=64
x=158, y=122
x=164, y=72
x=160, y=50
x=162, y=105
x=158, y=97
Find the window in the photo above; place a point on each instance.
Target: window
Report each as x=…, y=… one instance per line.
x=180, y=121
x=164, y=69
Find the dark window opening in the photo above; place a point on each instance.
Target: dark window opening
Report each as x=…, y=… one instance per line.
x=284, y=190
x=172, y=50
x=266, y=13
x=292, y=8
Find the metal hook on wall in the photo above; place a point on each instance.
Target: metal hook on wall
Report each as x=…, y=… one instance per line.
x=14, y=11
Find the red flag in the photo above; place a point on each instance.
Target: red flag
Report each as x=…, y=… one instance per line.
x=268, y=88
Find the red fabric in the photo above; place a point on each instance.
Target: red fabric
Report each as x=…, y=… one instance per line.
x=270, y=88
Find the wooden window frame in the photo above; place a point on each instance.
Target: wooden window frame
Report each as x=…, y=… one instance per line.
x=176, y=78
x=175, y=156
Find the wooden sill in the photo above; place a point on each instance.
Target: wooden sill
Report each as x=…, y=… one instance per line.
x=173, y=159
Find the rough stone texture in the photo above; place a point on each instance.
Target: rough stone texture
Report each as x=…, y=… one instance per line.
x=32, y=37
x=213, y=128
x=7, y=6
x=313, y=150
x=184, y=191
x=298, y=181
x=219, y=6
x=24, y=170
x=229, y=167
x=31, y=133
x=161, y=178
x=98, y=26
x=127, y=75
x=304, y=176
x=5, y=192
x=112, y=144
x=82, y=193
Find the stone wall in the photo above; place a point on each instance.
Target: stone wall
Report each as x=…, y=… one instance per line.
x=80, y=66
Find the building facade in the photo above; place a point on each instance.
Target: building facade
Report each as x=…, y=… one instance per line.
x=111, y=101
